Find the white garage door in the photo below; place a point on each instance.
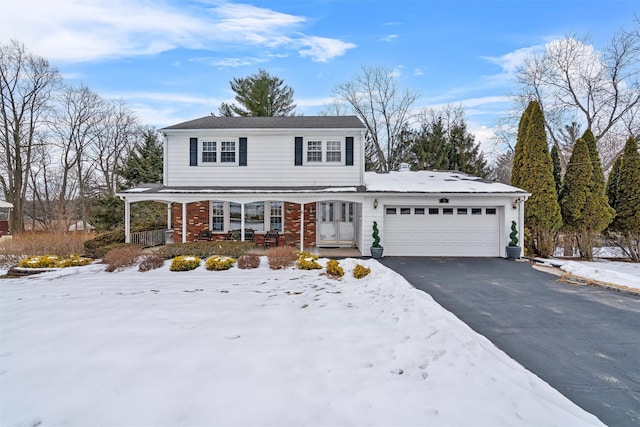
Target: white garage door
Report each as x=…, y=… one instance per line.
x=438, y=231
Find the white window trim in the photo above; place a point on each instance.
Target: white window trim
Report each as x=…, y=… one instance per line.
x=227, y=216
x=323, y=160
x=219, y=162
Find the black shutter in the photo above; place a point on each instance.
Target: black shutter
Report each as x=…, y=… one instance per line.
x=242, y=161
x=193, y=151
x=348, y=158
x=298, y=151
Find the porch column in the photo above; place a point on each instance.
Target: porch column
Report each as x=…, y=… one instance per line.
x=242, y=222
x=168, y=215
x=127, y=221
x=302, y=226
x=184, y=222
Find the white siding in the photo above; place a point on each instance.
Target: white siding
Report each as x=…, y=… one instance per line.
x=270, y=160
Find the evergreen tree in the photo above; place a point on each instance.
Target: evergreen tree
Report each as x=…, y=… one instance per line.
x=576, y=196
x=429, y=147
x=259, y=95
x=542, y=211
x=597, y=210
x=627, y=201
x=463, y=152
x=612, y=183
x=144, y=164
x=557, y=168
x=518, y=152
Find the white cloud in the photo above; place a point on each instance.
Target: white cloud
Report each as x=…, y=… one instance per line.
x=390, y=38
x=322, y=49
x=80, y=30
x=418, y=72
x=509, y=62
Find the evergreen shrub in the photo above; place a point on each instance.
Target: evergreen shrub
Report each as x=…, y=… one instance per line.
x=219, y=263
x=514, y=234
x=334, y=270
x=185, y=263
x=307, y=261
x=361, y=271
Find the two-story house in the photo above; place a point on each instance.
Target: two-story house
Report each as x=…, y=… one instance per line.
x=304, y=176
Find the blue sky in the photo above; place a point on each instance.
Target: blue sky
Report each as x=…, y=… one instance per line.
x=171, y=61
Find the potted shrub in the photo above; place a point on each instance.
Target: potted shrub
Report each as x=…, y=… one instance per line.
x=376, y=249
x=513, y=250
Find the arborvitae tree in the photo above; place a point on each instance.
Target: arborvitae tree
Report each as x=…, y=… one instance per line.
x=542, y=211
x=627, y=201
x=557, y=168
x=518, y=152
x=597, y=210
x=144, y=164
x=576, y=195
x=612, y=183
x=260, y=95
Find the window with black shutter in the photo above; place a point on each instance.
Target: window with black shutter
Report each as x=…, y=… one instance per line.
x=193, y=151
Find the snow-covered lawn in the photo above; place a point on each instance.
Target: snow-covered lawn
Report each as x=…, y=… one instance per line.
x=82, y=347
x=617, y=273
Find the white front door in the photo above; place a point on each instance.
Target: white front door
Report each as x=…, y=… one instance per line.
x=336, y=223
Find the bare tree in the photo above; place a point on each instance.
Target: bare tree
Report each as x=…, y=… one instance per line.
x=26, y=85
x=574, y=83
x=383, y=108
x=117, y=136
x=74, y=130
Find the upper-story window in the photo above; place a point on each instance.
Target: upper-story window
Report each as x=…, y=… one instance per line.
x=209, y=152
x=218, y=152
x=334, y=151
x=228, y=152
x=314, y=151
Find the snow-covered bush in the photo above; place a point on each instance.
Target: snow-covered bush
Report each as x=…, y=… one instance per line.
x=333, y=269
x=248, y=261
x=281, y=257
x=185, y=263
x=219, y=263
x=307, y=261
x=150, y=262
x=360, y=271
x=53, y=261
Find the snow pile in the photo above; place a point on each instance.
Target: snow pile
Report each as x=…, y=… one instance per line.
x=617, y=273
x=83, y=347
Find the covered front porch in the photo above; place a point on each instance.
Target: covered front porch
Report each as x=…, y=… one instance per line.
x=307, y=218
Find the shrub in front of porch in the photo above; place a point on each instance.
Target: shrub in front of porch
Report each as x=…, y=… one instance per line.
x=281, y=257
x=361, y=271
x=150, y=262
x=121, y=257
x=334, y=270
x=103, y=243
x=205, y=249
x=219, y=263
x=248, y=261
x=185, y=263
x=307, y=261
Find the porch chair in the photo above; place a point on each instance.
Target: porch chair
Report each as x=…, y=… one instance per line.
x=232, y=235
x=271, y=238
x=249, y=234
x=204, y=236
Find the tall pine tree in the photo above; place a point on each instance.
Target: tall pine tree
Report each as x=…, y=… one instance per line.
x=576, y=194
x=626, y=223
x=535, y=174
x=144, y=164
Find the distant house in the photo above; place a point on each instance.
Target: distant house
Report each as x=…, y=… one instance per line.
x=304, y=177
x=5, y=211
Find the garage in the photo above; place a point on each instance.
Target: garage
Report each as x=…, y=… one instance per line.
x=464, y=231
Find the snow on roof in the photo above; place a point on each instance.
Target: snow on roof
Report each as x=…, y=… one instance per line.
x=433, y=182
x=4, y=204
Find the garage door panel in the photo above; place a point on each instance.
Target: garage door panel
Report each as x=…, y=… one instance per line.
x=442, y=235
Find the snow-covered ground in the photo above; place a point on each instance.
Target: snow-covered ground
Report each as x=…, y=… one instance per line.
x=617, y=273
x=82, y=347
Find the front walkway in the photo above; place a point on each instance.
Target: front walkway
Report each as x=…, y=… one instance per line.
x=321, y=252
x=582, y=340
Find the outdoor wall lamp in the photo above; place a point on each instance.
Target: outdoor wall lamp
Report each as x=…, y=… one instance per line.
x=516, y=202
x=375, y=203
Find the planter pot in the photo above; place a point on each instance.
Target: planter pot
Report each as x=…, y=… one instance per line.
x=513, y=252
x=376, y=252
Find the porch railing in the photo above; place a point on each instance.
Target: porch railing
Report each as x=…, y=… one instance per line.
x=150, y=238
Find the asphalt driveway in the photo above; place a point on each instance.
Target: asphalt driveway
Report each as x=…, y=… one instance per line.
x=582, y=340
